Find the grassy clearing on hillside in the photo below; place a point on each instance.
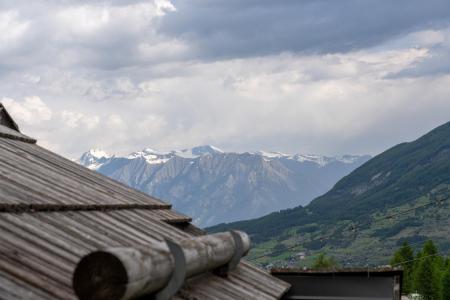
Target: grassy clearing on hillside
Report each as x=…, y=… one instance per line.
x=372, y=245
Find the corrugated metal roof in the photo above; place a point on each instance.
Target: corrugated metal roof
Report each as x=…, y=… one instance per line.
x=53, y=212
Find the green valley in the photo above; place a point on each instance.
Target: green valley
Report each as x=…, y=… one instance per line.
x=400, y=195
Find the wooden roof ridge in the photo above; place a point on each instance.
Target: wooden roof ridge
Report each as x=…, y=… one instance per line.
x=54, y=211
x=8, y=133
x=33, y=207
x=7, y=120
x=9, y=128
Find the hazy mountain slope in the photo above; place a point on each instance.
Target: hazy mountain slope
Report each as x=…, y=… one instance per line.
x=403, y=177
x=213, y=186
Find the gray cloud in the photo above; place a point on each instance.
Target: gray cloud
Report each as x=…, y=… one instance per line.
x=227, y=29
x=437, y=63
x=295, y=76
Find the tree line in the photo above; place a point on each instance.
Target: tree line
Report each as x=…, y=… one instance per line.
x=426, y=272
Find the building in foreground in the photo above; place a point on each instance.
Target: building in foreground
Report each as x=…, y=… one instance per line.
x=348, y=284
x=53, y=212
x=56, y=215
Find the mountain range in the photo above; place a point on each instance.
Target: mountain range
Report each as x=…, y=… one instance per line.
x=399, y=195
x=214, y=186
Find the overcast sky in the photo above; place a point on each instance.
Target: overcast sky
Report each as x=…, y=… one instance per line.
x=325, y=77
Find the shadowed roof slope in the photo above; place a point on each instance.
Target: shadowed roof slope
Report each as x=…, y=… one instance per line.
x=54, y=211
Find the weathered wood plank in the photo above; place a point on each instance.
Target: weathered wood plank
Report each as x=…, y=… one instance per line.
x=27, y=275
x=22, y=235
x=74, y=189
x=12, y=289
x=147, y=269
x=73, y=170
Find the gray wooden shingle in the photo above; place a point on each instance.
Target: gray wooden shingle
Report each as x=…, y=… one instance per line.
x=54, y=211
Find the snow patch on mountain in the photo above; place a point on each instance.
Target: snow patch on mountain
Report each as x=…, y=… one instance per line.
x=214, y=186
x=320, y=160
x=270, y=154
x=151, y=156
x=197, y=151
x=154, y=157
x=94, y=159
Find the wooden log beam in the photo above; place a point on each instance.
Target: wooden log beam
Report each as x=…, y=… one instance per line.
x=126, y=273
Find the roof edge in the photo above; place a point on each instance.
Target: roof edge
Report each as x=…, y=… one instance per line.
x=8, y=133
x=7, y=120
x=333, y=272
x=27, y=208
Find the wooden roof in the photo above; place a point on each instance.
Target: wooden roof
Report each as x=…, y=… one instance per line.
x=6, y=120
x=54, y=211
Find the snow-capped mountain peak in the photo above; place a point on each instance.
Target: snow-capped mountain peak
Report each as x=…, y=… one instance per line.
x=153, y=156
x=198, y=151
x=155, y=152
x=98, y=153
x=270, y=154
x=94, y=158
x=325, y=160
x=320, y=160
x=213, y=186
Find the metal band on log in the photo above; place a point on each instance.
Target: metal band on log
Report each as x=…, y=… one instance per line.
x=126, y=273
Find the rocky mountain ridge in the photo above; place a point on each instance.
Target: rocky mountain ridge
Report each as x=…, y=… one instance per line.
x=402, y=194
x=216, y=186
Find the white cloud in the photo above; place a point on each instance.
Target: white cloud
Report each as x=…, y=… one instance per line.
x=150, y=125
x=116, y=122
x=164, y=6
x=83, y=20
x=12, y=30
x=90, y=19
x=74, y=119
x=110, y=77
x=32, y=110
x=75, y=35
x=429, y=37
x=294, y=103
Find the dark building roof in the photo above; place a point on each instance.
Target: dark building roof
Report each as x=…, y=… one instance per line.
x=6, y=120
x=338, y=284
x=54, y=211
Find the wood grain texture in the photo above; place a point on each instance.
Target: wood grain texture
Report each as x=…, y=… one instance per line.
x=53, y=212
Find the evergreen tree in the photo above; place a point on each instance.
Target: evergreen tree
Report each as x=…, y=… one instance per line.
x=429, y=248
x=404, y=258
x=447, y=262
x=324, y=262
x=427, y=281
x=445, y=284
x=427, y=285
x=416, y=265
x=445, y=288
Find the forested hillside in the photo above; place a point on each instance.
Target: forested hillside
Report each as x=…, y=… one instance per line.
x=398, y=195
